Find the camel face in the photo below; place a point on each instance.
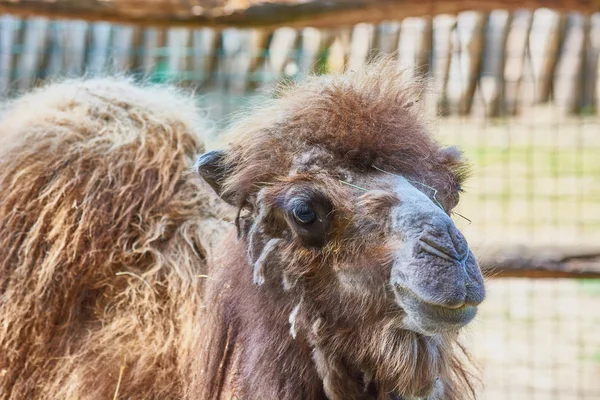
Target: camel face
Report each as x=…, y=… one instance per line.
x=433, y=274
x=344, y=236
x=345, y=198
x=361, y=238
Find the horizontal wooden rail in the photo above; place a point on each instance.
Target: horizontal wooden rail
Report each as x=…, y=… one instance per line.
x=555, y=262
x=269, y=13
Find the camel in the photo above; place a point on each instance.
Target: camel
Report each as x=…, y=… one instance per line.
x=312, y=257
x=359, y=279
x=105, y=238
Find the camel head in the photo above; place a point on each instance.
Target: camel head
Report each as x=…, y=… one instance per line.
x=345, y=204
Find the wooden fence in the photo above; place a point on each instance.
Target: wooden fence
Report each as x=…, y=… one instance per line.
x=492, y=63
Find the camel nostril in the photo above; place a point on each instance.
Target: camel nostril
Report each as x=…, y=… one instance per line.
x=434, y=248
x=442, y=239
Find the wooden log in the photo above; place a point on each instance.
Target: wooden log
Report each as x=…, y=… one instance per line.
x=298, y=13
x=205, y=43
x=386, y=37
x=550, y=262
x=75, y=39
x=312, y=49
x=590, y=89
x=309, y=49
x=53, y=59
x=544, y=45
x=514, y=67
x=337, y=54
x=258, y=55
x=491, y=81
x=284, y=40
x=221, y=76
x=177, y=42
x=100, y=34
x=123, y=54
x=415, y=45
x=568, y=82
x=136, y=48
x=153, y=40
x=443, y=27
x=242, y=58
x=9, y=33
x=32, y=49
x=465, y=61
x=361, y=45
x=229, y=45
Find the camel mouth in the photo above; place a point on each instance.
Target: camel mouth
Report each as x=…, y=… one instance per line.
x=427, y=318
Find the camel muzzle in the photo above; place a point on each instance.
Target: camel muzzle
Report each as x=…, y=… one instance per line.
x=435, y=276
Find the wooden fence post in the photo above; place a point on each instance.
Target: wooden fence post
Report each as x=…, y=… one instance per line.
x=514, y=67
x=491, y=80
x=567, y=80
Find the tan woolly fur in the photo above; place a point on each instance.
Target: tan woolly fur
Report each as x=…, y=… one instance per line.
x=104, y=241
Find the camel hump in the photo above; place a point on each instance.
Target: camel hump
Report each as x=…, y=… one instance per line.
x=103, y=239
x=118, y=104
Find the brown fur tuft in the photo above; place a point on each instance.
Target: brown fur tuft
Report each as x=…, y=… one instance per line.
x=362, y=118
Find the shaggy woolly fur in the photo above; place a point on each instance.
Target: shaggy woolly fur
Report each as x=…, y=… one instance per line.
x=107, y=243
x=104, y=241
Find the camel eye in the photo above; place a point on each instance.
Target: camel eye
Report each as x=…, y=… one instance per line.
x=304, y=214
x=309, y=215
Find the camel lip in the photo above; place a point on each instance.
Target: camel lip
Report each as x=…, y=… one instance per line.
x=432, y=317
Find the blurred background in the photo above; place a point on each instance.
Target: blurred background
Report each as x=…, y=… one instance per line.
x=516, y=88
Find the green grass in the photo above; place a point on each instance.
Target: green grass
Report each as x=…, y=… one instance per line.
x=535, y=181
x=590, y=286
x=545, y=160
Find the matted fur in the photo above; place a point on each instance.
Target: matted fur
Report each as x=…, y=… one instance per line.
x=363, y=118
x=104, y=240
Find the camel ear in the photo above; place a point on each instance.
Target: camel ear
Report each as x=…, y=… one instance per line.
x=213, y=168
x=451, y=155
x=453, y=158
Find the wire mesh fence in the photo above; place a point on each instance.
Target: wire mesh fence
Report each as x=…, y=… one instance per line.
x=538, y=339
x=517, y=91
